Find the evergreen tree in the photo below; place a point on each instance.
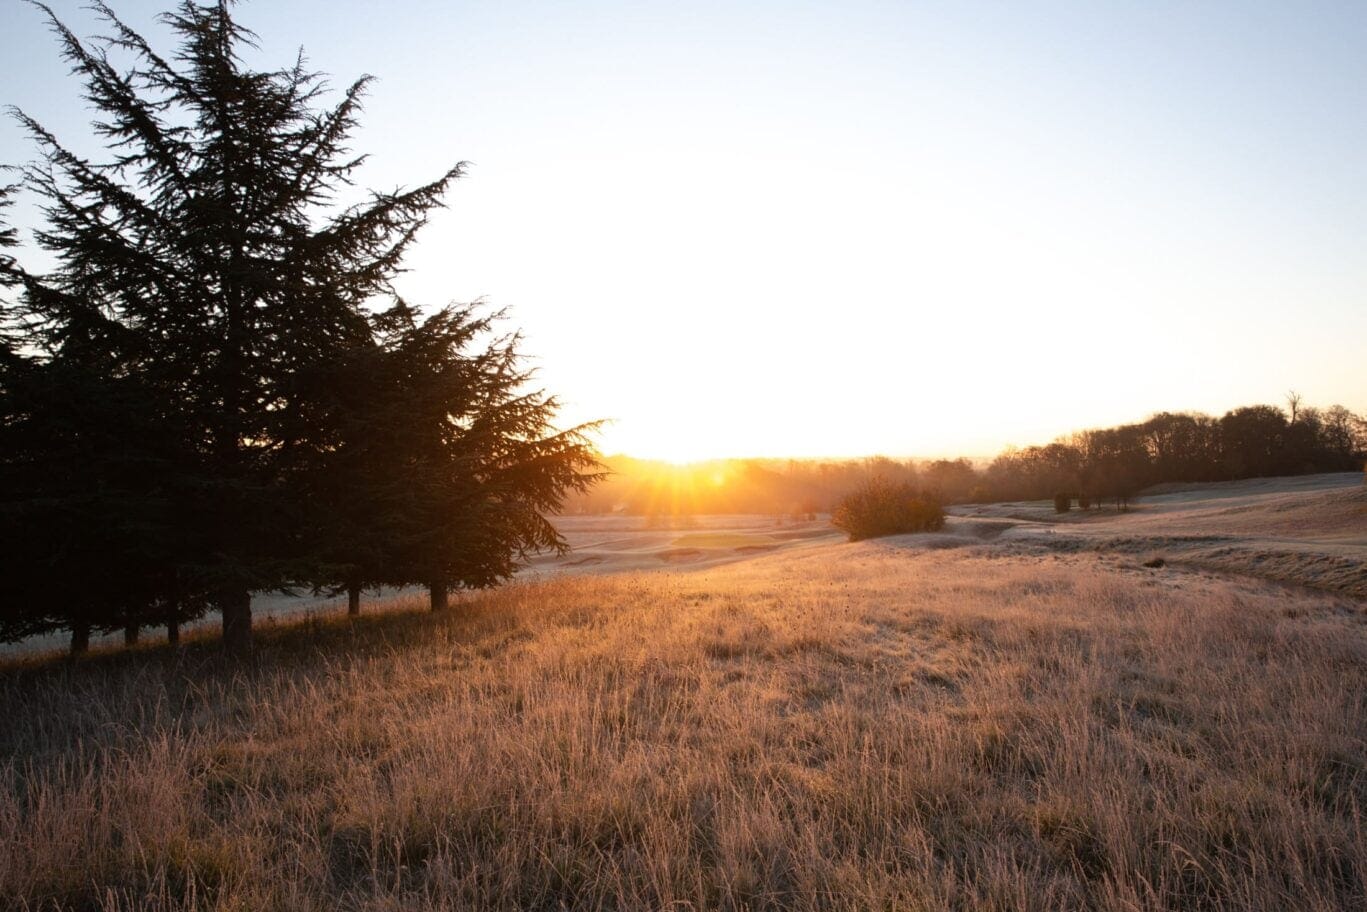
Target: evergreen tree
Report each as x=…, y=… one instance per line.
x=354, y=482
x=497, y=464
x=20, y=616
x=210, y=260
x=444, y=463
x=88, y=512
x=9, y=238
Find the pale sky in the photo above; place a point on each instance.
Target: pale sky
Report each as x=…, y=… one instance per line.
x=848, y=228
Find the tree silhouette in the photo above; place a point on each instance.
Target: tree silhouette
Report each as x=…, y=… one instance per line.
x=83, y=464
x=1293, y=404
x=1253, y=441
x=88, y=516
x=208, y=257
x=440, y=464
x=481, y=462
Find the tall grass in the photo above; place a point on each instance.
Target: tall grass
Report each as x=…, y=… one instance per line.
x=848, y=727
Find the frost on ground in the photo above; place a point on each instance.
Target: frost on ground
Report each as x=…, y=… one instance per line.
x=894, y=724
x=1308, y=531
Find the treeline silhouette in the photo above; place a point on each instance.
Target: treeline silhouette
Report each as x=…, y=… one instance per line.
x=1254, y=441
x=216, y=391
x=792, y=487
x=1107, y=464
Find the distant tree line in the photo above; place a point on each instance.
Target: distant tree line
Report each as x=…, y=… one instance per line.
x=1104, y=465
x=215, y=389
x=1116, y=463
x=780, y=487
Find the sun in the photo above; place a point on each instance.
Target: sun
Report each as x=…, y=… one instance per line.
x=676, y=449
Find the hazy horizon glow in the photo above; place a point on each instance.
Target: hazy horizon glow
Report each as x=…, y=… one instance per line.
x=775, y=229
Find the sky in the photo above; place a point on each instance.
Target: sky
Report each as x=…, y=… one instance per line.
x=847, y=228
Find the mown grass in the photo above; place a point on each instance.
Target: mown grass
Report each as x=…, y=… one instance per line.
x=846, y=727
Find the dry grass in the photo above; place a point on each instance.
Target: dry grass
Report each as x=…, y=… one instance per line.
x=1307, y=530
x=845, y=727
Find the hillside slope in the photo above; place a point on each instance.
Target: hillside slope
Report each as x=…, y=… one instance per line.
x=880, y=725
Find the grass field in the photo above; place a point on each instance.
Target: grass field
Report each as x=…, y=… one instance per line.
x=871, y=726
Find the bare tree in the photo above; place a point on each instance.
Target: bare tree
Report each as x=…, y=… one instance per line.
x=1293, y=402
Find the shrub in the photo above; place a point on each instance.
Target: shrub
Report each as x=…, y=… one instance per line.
x=884, y=508
x=1062, y=503
x=1084, y=501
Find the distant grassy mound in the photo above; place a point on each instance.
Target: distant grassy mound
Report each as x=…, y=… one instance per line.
x=1308, y=530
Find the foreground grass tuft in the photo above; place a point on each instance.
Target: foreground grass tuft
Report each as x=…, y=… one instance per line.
x=847, y=727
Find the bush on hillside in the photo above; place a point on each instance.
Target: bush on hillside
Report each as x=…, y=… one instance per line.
x=884, y=508
x=1063, y=503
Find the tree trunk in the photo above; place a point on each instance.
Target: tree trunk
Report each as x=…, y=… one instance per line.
x=130, y=633
x=173, y=632
x=236, y=606
x=353, y=599
x=80, y=638
x=437, y=591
